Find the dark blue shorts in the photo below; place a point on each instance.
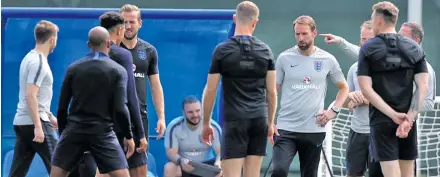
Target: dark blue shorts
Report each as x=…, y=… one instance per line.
x=137, y=159
x=104, y=148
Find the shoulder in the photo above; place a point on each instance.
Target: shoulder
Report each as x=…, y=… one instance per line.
x=33, y=58
x=353, y=67
x=324, y=55
x=373, y=45
x=259, y=45
x=288, y=53
x=411, y=48
x=117, y=51
x=144, y=45
x=176, y=122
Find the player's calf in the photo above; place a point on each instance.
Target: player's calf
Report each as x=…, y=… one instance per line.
x=232, y=167
x=390, y=168
x=406, y=168
x=140, y=171
x=252, y=165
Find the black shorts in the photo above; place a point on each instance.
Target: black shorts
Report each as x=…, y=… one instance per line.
x=244, y=137
x=357, y=154
x=386, y=146
x=308, y=146
x=25, y=148
x=137, y=159
x=104, y=148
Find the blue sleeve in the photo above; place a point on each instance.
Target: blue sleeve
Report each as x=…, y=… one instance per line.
x=133, y=102
x=64, y=101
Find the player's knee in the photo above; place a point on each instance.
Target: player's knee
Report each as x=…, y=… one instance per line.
x=170, y=169
x=280, y=171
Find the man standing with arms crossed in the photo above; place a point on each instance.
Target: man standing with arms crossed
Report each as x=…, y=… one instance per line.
x=302, y=73
x=246, y=66
x=93, y=96
x=145, y=64
x=388, y=65
x=34, y=125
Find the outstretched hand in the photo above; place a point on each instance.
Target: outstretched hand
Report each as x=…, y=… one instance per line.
x=330, y=38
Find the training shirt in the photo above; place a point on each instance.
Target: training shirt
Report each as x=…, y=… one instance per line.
x=360, y=122
x=391, y=60
x=95, y=87
x=243, y=63
x=124, y=58
x=189, y=142
x=145, y=63
x=34, y=69
x=303, y=81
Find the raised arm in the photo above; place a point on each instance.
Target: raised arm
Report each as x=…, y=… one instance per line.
x=65, y=97
x=132, y=99
x=120, y=108
x=348, y=48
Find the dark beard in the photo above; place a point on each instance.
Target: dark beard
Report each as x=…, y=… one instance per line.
x=130, y=38
x=304, y=47
x=189, y=121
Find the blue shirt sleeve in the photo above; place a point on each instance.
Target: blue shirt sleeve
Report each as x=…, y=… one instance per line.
x=126, y=60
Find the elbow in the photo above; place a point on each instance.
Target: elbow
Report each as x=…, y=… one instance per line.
x=271, y=95
x=344, y=89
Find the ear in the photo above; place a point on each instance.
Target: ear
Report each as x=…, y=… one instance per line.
x=88, y=44
x=315, y=33
x=108, y=44
x=140, y=23
x=255, y=23
x=234, y=17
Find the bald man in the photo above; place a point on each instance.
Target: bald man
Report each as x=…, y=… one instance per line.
x=248, y=76
x=97, y=87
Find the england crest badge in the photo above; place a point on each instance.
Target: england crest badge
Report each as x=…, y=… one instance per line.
x=142, y=54
x=318, y=66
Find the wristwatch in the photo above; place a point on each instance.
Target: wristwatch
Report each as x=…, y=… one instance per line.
x=336, y=109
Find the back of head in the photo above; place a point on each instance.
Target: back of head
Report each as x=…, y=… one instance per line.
x=99, y=39
x=247, y=13
x=111, y=21
x=387, y=10
x=45, y=30
x=416, y=29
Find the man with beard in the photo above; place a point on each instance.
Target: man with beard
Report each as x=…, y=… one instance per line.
x=145, y=64
x=183, y=141
x=34, y=125
x=302, y=73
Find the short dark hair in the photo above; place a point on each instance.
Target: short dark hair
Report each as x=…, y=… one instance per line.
x=416, y=30
x=110, y=20
x=387, y=10
x=44, y=30
x=189, y=99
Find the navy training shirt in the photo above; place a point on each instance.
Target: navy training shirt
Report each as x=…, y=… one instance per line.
x=243, y=62
x=124, y=58
x=391, y=60
x=145, y=63
x=95, y=87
